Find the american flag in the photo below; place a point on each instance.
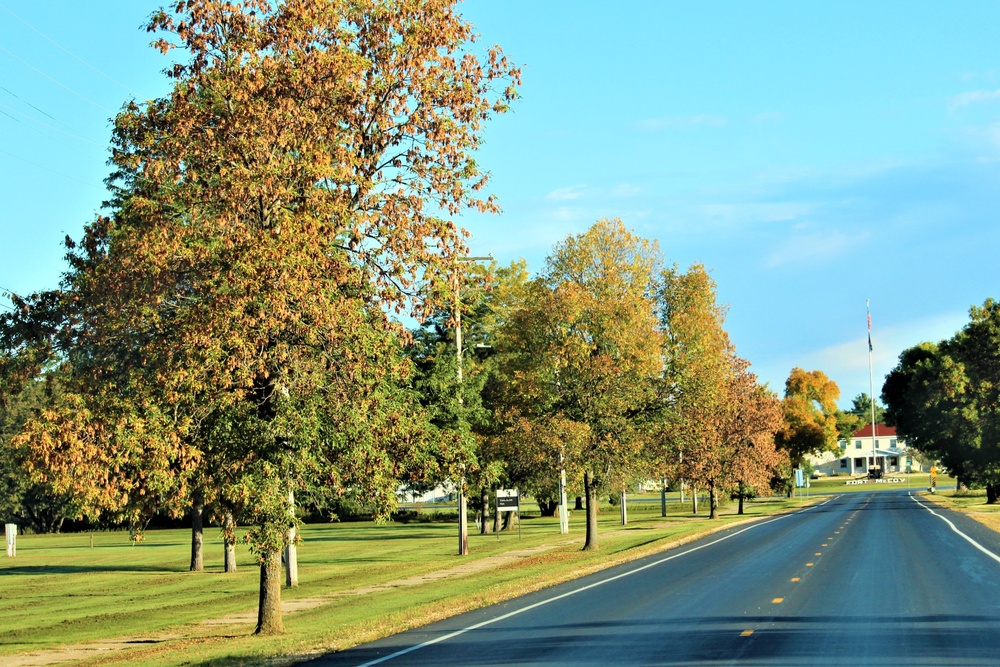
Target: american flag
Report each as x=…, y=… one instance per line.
x=868, y=305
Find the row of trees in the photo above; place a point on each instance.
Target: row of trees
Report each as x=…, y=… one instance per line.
x=608, y=365
x=944, y=399
x=222, y=339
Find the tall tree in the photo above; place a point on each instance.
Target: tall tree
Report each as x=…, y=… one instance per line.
x=583, y=357
x=750, y=458
x=266, y=212
x=698, y=359
x=944, y=399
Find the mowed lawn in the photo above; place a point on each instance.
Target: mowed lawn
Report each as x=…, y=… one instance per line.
x=60, y=591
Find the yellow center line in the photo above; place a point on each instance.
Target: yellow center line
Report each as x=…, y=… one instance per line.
x=795, y=579
x=818, y=553
x=746, y=633
x=777, y=600
x=825, y=544
x=809, y=564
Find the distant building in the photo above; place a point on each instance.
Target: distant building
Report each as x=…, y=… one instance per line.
x=855, y=456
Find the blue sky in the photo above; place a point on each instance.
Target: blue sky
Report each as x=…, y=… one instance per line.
x=811, y=155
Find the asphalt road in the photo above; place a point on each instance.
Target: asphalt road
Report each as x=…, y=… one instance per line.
x=862, y=579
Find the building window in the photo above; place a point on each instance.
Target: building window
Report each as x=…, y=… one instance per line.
x=876, y=444
x=892, y=443
x=857, y=444
x=843, y=463
x=859, y=463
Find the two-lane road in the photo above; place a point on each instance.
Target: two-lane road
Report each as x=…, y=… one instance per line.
x=862, y=579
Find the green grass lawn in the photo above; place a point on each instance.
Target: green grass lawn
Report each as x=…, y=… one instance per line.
x=60, y=591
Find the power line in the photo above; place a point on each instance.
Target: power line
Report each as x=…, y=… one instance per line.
x=69, y=53
x=52, y=171
x=55, y=81
x=41, y=111
x=43, y=124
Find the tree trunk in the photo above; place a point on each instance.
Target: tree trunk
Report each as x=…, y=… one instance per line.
x=269, y=605
x=590, y=490
x=229, y=541
x=694, y=499
x=197, y=534
x=713, y=500
x=624, y=508
x=579, y=503
x=991, y=493
x=484, y=511
x=741, y=504
x=663, y=497
x=548, y=507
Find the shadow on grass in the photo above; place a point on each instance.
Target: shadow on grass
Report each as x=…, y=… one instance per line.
x=25, y=570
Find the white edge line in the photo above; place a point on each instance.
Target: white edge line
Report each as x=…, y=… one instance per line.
x=456, y=633
x=954, y=528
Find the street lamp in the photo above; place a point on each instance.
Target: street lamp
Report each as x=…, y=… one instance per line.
x=463, y=519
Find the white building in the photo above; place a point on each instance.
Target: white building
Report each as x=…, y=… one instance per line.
x=856, y=456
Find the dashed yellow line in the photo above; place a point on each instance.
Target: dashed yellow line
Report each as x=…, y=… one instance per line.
x=809, y=564
x=777, y=600
x=796, y=579
x=746, y=633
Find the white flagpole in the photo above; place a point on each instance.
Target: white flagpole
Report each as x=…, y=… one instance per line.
x=871, y=381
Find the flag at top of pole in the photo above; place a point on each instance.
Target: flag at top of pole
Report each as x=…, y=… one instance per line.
x=868, y=305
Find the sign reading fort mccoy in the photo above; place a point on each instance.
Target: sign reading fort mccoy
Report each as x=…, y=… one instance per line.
x=508, y=500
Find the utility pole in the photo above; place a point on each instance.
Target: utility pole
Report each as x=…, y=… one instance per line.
x=463, y=519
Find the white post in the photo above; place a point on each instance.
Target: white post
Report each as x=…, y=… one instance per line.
x=291, y=557
x=11, y=531
x=563, y=510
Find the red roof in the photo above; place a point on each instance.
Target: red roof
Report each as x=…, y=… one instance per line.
x=881, y=430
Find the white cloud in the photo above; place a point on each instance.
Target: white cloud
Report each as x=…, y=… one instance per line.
x=567, y=194
x=752, y=212
x=846, y=363
x=963, y=100
x=625, y=190
x=681, y=122
x=768, y=117
x=810, y=248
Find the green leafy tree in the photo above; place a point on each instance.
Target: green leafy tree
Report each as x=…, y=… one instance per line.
x=944, y=399
x=583, y=358
x=698, y=359
x=267, y=212
x=30, y=503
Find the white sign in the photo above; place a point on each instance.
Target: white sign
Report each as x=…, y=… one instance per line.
x=507, y=500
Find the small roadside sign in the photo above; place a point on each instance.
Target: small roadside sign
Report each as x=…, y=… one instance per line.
x=507, y=500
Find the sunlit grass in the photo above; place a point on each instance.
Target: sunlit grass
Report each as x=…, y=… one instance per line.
x=59, y=591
